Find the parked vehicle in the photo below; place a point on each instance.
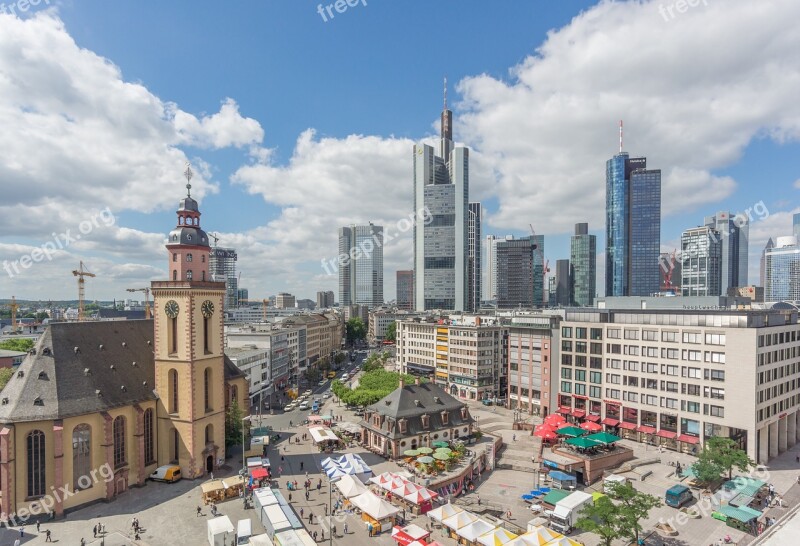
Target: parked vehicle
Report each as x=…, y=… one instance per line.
x=567, y=511
x=244, y=530
x=678, y=495
x=289, y=407
x=303, y=406
x=610, y=480
x=487, y=402
x=169, y=473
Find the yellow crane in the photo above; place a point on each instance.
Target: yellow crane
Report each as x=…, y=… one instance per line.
x=146, y=291
x=264, y=305
x=81, y=273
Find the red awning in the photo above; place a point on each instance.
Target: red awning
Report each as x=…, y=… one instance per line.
x=592, y=417
x=627, y=426
x=610, y=422
x=259, y=473
x=666, y=434
x=646, y=429
x=688, y=439
x=578, y=413
x=564, y=410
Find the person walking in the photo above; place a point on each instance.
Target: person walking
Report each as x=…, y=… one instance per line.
x=322, y=535
x=301, y=465
x=290, y=497
x=301, y=512
x=314, y=535
x=94, y=530
x=37, y=527
x=199, y=511
x=344, y=528
x=48, y=538
x=333, y=531
x=22, y=532
x=306, y=494
x=310, y=518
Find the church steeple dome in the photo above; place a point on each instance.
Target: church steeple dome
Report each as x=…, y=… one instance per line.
x=188, y=241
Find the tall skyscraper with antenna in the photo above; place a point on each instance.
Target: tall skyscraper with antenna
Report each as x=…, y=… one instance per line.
x=441, y=189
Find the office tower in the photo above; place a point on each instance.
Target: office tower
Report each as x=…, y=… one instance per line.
x=796, y=225
x=441, y=186
x=405, y=289
x=515, y=274
x=490, y=269
x=222, y=268
x=325, y=299
x=474, y=258
x=782, y=270
x=583, y=263
x=701, y=259
x=285, y=301
x=361, y=273
x=540, y=269
x=763, y=265
x=562, y=283
x=633, y=226
x=734, y=232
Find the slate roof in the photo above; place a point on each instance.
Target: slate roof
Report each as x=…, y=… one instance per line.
x=59, y=381
x=410, y=402
x=117, y=314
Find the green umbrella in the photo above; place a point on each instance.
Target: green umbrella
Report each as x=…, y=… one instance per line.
x=604, y=438
x=441, y=456
x=582, y=442
x=425, y=460
x=571, y=431
x=411, y=453
x=440, y=444
x=425, y=450
x=444, y=450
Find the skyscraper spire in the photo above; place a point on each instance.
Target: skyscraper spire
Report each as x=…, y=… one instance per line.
x=445, y=93
x=446, y=144
x=620, y=136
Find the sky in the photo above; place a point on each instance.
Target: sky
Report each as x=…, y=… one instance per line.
x=297, y=121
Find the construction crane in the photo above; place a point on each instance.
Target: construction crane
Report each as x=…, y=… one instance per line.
x=81, y=273
x=13, y=306
x=146, y=291
x=545, y=263
x=670, y=268
x=264, y=305
x=215, y=237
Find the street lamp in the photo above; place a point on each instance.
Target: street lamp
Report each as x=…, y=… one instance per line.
x=244, y=461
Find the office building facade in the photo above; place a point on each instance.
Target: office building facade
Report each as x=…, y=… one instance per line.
x=222, y=268
x=531, y=387
x=583, y=266
x=633, y=227
x=405, y=289
x=515, y=273
x=474, y=258
x=734, y=232
x=361, y=274
x=285, y=301
x=782, y=270
x=563, y=283
x=325, y=299
x=441, y=187
x=701, y=262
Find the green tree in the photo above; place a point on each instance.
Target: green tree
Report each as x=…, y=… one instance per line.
x=22, y=345
x=5, y=375
x=40, y=316
x=391, y=332
x=706, y=470
x=633, y=507
x=726, y=454
x=603, y=519
x=355, y=330
x=339, y=358
x=233, y=425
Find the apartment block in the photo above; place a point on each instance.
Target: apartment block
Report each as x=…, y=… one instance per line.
x=531, y=387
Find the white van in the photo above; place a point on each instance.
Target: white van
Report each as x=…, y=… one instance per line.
x=244, y=530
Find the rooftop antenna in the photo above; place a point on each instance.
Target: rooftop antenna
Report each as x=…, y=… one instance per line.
x=445, y=92
x=620, y=136
x=188, y=174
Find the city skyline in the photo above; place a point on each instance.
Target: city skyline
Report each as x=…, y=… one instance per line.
x=275, y=183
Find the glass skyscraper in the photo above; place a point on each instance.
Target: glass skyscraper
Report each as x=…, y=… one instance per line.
x=734, y=232
x=633, y=227
x=583, y=266
x=441, y=246
x=361, y=273
x=474, y=258
x=516, y=273
x=701, y=259
x=782, y=270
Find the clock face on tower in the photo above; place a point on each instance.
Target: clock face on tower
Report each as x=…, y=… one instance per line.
x=207, y=308
x=171, y=308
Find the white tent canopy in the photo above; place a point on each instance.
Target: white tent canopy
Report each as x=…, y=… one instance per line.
x=475, y=529
x=374, y=506
x=496, y=536
x=462, y=519
x=444, y=511
x=350, y=487
x=322, y=434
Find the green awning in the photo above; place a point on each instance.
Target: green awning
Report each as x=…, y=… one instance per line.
x=555, y=495
x=582, y=442
x=604, y=438
x=743, y=514
x=571, y=431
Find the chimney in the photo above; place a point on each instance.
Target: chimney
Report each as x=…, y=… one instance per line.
x=416, y=380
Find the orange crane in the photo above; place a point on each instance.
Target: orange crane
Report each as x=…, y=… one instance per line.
x=146, y=291
x=81, y=273
x=264, y=305
x=545, y=264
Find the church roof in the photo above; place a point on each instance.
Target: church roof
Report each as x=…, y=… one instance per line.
x=80, y=368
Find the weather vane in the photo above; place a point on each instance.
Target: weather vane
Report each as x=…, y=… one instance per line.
x=188, y=174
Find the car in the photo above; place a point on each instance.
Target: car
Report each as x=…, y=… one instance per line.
x=359, y=412
x=307, y=393
x=487, y=402
x=303, y=406
x=321, y=383
x=289, y=407
x=327, y=394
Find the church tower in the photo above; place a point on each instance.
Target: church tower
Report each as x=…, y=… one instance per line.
x=189, y=359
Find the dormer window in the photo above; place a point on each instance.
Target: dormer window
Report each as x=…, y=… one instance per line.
x=426, y=421
x=445, y=417
x=188, y=237
x=390, y=425
x=464, y=413
x=402, y=424
x=376, y=420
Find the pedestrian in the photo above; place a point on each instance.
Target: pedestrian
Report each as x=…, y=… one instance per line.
x=212, y=475
x=314, y=534
x=798, y=458
x=17, y=542
x=22, y=532
x=514, y=438
x=322, y=535
x=301, y=511
x=310, y=518
x=48, y=538
x=94, y=530
x=326, y=510
x=37, y=527
x=306, y=494
x=344, y=528
x=83, y=541
x=301, y=465
x=290, y=497
x=333, y=531
x=306, y=474
x=199, y=511
x=282, y=459
x=295, y=484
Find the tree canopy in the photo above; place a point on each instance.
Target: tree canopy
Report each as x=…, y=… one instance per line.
x=355, y=330
x=5, y=375
x=602, y=519
x=372, y=386
x=391, y=332
x=233, y=424
x=720, y=456
x=612, y=520
x=22, y=345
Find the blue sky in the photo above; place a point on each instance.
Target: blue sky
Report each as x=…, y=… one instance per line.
x=296, y=125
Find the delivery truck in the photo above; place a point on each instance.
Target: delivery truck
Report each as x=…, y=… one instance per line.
x=567, y=511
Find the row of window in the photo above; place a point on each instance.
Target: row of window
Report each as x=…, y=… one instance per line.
x=666, y=336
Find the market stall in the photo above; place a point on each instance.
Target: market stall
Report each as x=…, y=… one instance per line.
x=220, y=531
x=444, y=511
x=375, y=511
x=562, y=480
x=350, y=486
x=469, y=534
x=233, y=486
x=213, y=491
x=324, y=438
x=496, y=537
x=456, y=522
x=404, y=536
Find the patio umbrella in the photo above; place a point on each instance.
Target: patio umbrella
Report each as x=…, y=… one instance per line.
x=554, y=419
x=591, y=427
x=570, y=431
x=441, y=456
x=545, y=426
x=582, y=442
x=425, y=450
x=445, y=450
x=411, y=453
x=545, y=434
x=527, y=497
x=425, y=460
x=440, y=444
x=604, y=438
